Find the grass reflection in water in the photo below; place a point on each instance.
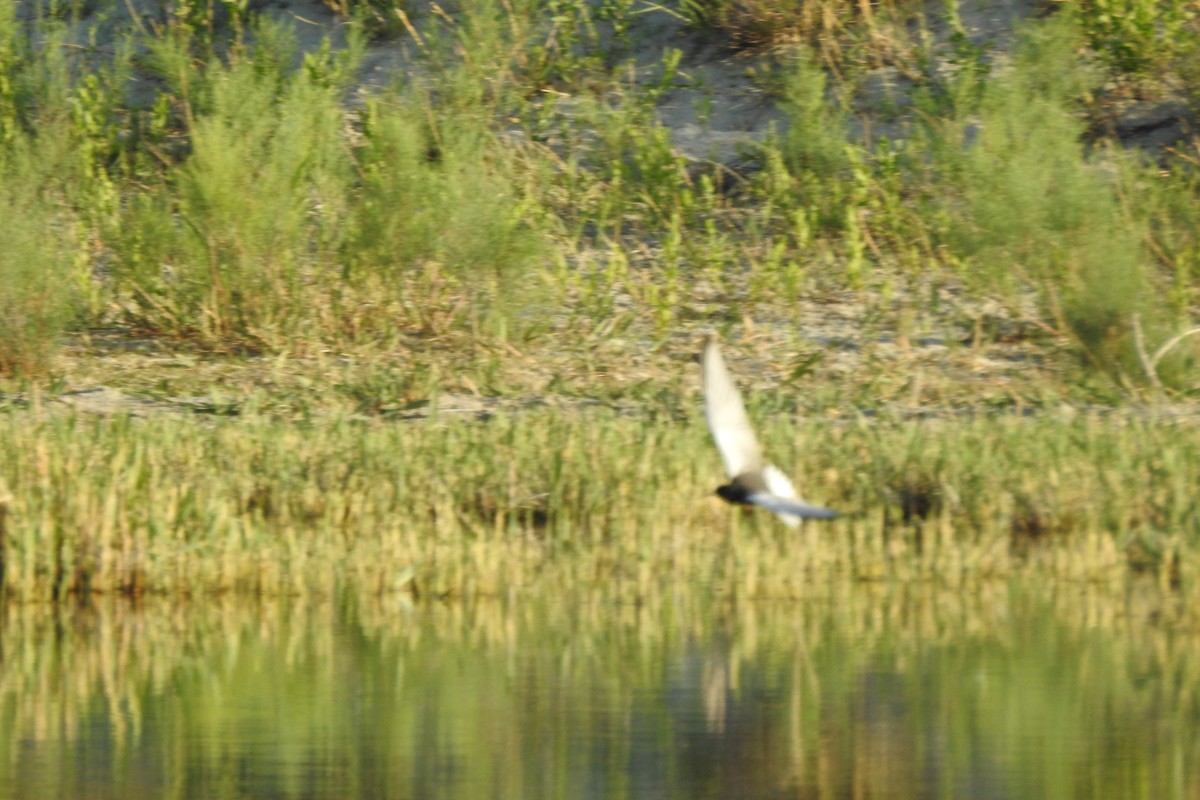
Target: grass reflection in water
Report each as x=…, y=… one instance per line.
x=886, y=690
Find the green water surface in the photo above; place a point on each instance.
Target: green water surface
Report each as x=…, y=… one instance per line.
x=858, y=691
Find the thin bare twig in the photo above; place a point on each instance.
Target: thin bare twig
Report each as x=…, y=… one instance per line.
x=1150, y=363
x=1170, y=344
x=1139, y=346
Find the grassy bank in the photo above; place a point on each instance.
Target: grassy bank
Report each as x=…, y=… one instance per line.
x=205, y=214
x=545, y=499
x=200, y=180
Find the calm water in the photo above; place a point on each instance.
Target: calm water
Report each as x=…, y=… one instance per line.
x=862, y=691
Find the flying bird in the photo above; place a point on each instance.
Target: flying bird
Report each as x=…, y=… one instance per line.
x=752, y=479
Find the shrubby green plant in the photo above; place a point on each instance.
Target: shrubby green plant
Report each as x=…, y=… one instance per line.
x=231, y=247
x=815, y=147
x=381, y=17
x=1137, y=37
x=1032, y=212
x=436, y=218
x=993, y=179
x=13, y=52
x=293, y=221
x=57, y=144
x=38, y=286
x=827, y=192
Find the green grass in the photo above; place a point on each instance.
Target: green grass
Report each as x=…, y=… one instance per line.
x=1034, y=214
x=516, y=172
x=510, y=220
x=38, y=293
x=174, y=505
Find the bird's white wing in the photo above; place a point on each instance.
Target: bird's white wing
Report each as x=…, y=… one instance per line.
x=778, y=483
x=784, y=501
x=790, y=510
x=727, y=416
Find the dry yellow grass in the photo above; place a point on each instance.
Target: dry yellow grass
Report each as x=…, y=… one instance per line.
x=551, y=498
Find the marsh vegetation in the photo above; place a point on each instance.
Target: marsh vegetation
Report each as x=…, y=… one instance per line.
x=204, y=215
x=587, y=500
x=351, y=437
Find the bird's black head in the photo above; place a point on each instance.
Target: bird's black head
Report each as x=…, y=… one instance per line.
x=732, y=493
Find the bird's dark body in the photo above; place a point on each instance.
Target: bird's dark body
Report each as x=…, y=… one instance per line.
x=739, y=489
x=731, y=493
